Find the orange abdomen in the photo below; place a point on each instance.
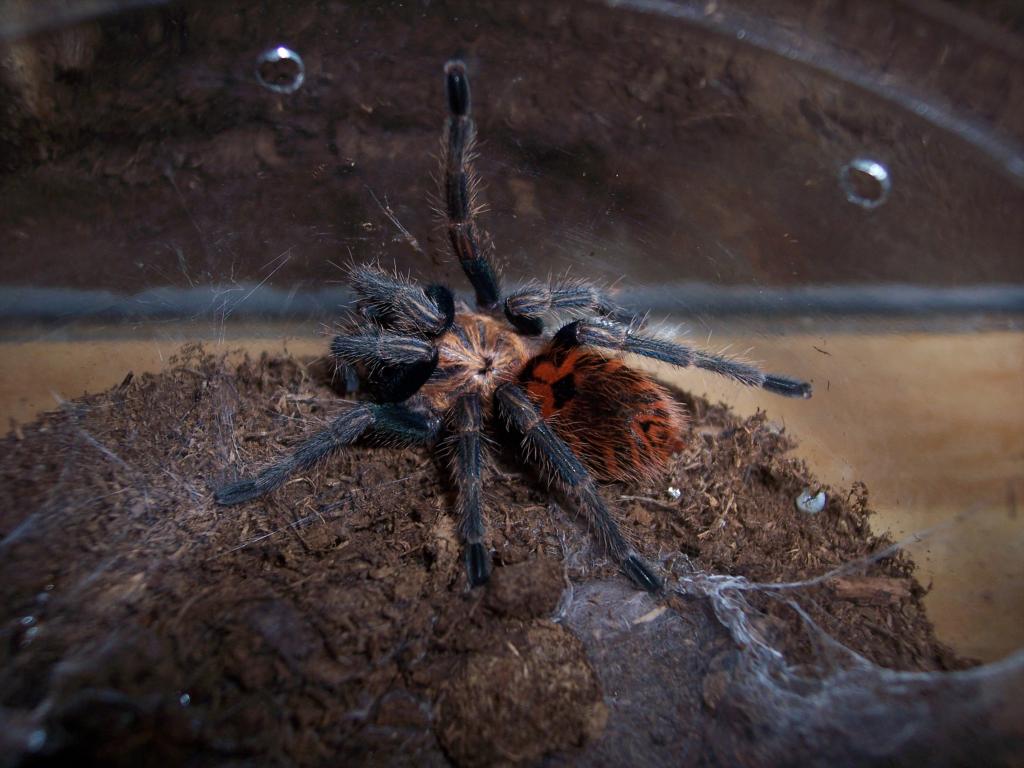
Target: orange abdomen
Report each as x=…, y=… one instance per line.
x=621, y=424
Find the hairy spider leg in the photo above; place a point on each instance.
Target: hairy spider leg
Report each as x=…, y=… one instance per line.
x=572, y=478
x=607, y=334
x=392, y=367
x=459, y=188
x=401, y=305
x=527, y=307
x=395, y=358
x=377, y=347
x=466, y=425
x=394, y=424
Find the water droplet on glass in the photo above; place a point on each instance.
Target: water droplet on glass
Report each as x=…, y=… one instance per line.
x=184, y=699
x=866, y=182
x=43, y=597
x=810, y=503
x=28, y=621
x=673, y=492
x=30, y=635
x=280, y=70
x=36, y=740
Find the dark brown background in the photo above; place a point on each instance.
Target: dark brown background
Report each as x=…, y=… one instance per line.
x=701, y=144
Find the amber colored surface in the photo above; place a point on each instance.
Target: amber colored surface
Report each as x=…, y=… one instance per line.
x=932, y=423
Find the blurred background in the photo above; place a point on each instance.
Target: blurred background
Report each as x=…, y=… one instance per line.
x=833, y=189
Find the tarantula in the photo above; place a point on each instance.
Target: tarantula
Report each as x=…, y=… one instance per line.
x=437, y=369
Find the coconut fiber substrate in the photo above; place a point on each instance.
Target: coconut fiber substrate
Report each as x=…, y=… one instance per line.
x=331, y=624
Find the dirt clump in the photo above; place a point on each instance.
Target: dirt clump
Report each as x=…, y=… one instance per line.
x=530, y=695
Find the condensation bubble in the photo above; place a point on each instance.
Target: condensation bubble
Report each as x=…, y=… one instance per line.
x=36, y=740
x=810, y=503
x=184, y=699
x=30, y=635
x=865, y=182
x=673, y=492
x=280, y=70
x=27, y=621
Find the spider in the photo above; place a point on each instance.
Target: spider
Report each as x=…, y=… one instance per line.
x=440, y=373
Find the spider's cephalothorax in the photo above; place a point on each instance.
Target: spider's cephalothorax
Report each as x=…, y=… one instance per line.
x=436, y=369
x=475, y=357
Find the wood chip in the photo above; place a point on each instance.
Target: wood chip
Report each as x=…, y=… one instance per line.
x=871, y=590
x=651, y=615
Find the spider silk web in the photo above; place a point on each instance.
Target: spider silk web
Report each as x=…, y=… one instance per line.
x=736, y=699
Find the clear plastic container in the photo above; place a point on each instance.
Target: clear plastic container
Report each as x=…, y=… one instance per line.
x=833, y=190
